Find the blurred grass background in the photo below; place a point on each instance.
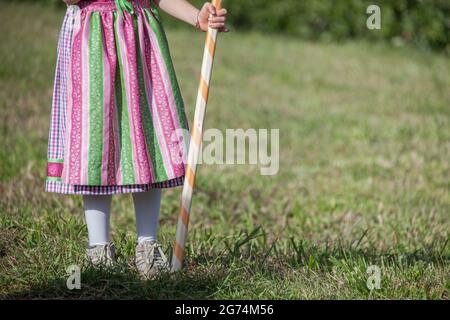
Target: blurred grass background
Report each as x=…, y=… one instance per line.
x=364, y=172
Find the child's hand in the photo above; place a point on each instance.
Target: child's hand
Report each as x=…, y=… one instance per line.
x=210, y=17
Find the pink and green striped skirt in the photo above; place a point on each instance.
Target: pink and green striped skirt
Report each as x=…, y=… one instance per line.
x=117, y=111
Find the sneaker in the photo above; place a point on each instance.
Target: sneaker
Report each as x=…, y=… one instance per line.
x=150, y=259
x=104, y=255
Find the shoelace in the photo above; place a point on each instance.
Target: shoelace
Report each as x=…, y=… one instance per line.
x=105, y=253
x=124, y=5
x=155, y=255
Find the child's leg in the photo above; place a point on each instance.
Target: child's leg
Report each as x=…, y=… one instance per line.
x=147, y=205
x=97, y=212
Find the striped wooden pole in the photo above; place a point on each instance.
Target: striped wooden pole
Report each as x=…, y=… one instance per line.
x=195, y=146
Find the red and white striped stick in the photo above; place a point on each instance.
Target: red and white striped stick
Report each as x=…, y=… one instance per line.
x=195, y=146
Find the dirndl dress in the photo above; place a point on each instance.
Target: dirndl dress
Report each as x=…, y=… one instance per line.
x=117, y=109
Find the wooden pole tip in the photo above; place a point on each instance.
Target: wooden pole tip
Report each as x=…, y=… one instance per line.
x=217, y=4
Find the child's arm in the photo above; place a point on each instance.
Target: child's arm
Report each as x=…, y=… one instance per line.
x=183, y=10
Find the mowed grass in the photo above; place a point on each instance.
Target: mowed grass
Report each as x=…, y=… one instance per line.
x=364, y=174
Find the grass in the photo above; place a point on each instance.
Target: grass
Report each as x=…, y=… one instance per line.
x=364, y=174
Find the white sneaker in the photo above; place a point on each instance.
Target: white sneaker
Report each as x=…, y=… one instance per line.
x=102, y=254
x=150, y=259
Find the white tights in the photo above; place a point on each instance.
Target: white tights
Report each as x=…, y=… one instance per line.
x=97, y=212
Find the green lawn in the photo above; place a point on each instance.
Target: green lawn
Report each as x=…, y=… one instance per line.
x=364, y=174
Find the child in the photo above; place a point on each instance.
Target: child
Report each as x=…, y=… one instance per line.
x=116, y=105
